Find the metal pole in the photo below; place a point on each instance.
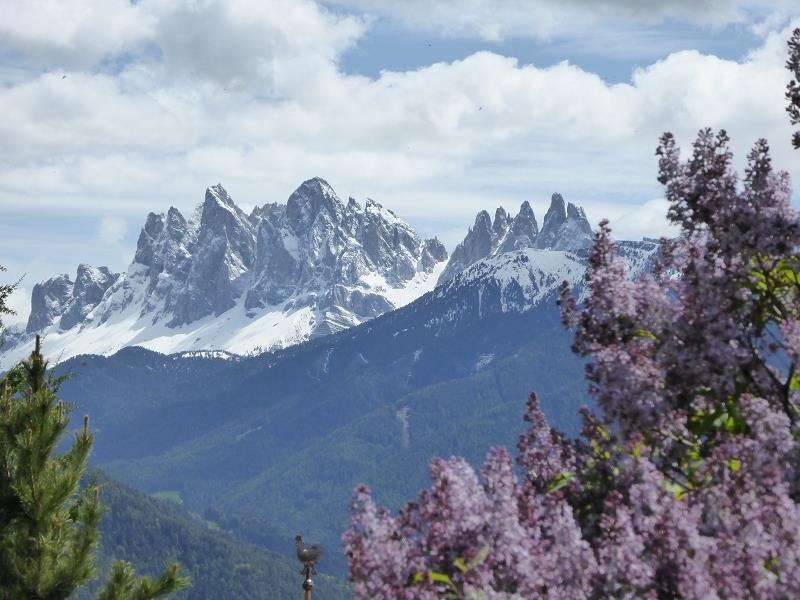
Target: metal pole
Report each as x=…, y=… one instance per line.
x=308, y=585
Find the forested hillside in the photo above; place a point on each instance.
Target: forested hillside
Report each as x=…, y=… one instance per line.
x=284, y=437
x=149, y=532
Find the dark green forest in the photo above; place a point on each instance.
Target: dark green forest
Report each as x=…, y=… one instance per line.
x=150, y=532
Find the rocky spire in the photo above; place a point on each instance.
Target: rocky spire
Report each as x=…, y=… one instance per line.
x=90, y=285
x=565, y=227
x=314, y=197
x=554, y=218
x=225, y=250
x=523, y=230
x=477, y=244
x=48, y=301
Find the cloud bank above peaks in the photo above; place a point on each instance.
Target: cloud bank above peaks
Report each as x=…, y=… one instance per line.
x=113, y=109
x=495, y=20
x=230, y=42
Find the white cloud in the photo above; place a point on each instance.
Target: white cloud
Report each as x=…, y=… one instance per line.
x=264, y=46
x=112, y=230
x=494, y=20
x=20, y=303
x=235, y=43
x=67, y=34
x=647, y=220
x=433, y=128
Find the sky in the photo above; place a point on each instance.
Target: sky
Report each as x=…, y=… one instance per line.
x=437, y=109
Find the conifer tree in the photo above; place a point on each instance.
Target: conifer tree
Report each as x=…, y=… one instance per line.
x=48, y=525
x=5, y=292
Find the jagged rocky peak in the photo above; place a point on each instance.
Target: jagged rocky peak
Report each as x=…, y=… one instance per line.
x=318, y=243
x=165, y=243
x=177, y=226
x=217, y=194
x=145, y=245
x=476, y=245
x=565, y=227
x=486, y=238
x=261, y=212
x=502, y=221
x=222, y=217
x=523, y=230
x=216, y=273
x=314, y=197
x=576, y=233
x=391, y=245
x=48, y=301
x=68, y=303
x=554, y=219
x=90, y=285
x=434, y=252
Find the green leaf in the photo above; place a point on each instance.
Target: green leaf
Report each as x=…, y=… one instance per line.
x=676, y=489
x=416, y=578
x=794, y=382
x=560, y=480
x=643, y=333
x=479, y=558
x=443, y=578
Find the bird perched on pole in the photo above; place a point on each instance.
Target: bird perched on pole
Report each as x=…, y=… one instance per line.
x=308, y=555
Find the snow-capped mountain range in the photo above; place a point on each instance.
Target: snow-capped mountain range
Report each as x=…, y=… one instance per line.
x=223, y=281
x=227, y=281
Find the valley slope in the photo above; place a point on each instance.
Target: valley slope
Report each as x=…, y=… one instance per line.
x=284, y=436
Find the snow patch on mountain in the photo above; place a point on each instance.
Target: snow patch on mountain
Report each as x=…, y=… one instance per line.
x=520, y=280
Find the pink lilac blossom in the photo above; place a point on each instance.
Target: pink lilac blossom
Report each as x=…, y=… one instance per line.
x=686, y=484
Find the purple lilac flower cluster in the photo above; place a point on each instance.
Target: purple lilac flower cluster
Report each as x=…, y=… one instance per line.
x=686, y=485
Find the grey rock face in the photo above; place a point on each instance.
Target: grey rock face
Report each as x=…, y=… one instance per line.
x=165, y=247
x=433, y=252
x=165, y=243
x=523, y=231
x=554, y=219
x=196, y=269
x=565, y=227
x=477, y=245
x=90, y=285
x=218, y=271
x=576, y=232
x=316, y=244
x=502, y=222
x=48, y=301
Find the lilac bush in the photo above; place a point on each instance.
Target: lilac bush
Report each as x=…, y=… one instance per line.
x=686, y=484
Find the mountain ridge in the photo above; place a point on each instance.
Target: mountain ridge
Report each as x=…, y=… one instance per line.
x=228, y=282
x=225, y=280
x=565, y=227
